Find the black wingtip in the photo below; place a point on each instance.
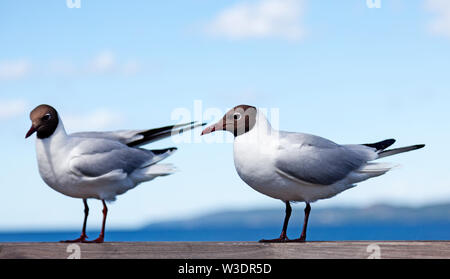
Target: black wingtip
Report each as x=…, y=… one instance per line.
x=391, y=141
x=162, y=151
x=164, y=132
x=382, y=145
x=198, y=124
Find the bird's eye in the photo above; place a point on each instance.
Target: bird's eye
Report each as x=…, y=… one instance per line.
x=46, y=117
x=237, y=116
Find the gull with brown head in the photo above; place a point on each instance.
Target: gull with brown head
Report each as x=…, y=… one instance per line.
x=298, y=167
x=97, y=165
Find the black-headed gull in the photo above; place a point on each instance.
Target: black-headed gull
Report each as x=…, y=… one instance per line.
x=297, y=167
x=97, y=165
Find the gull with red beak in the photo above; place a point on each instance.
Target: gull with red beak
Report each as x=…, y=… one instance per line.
x=97, y=165
x=298, y=167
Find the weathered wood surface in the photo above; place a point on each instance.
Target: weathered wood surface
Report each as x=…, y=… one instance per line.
x=228, y=250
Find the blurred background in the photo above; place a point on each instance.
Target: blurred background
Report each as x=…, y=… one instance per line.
x=352, y=71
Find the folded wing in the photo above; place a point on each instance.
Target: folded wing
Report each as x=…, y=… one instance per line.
x=136, y=138
x=100, y=157
x=314, y=160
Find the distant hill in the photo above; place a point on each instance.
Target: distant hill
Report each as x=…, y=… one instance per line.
x=325, y=217
x=378, y=222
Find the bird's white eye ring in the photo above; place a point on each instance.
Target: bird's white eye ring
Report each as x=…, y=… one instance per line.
x=46, y=117
x=237, y=116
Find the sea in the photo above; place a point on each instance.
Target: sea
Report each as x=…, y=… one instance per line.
x=433, y=231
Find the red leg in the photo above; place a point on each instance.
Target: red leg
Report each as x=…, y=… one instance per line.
x=101, y=237
x=283, y=237
x=305, y=225
x=83, y=236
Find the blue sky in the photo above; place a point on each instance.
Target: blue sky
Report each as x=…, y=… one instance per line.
x=337, y=69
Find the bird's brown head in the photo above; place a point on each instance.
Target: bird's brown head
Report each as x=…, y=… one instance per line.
x=44, y=120
x=238, y=121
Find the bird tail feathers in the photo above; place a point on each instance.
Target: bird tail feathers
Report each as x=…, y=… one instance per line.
x=390, y=152
x=160, y=169
x=376, y=169
x=153, y=171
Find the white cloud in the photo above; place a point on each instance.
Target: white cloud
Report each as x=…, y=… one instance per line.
x=130, y=68
x=104, y=62
x=99, y=119
x=441, y=24
x=10, y=70
x=12, y=108
x=61, y=66
x=262, y=19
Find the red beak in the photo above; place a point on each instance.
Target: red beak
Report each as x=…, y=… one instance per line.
x=209, y=130
x=30, y=132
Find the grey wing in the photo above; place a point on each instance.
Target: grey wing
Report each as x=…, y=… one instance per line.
x=136, y=138
x=122, y=136
x=318, y=161
x=95, y=158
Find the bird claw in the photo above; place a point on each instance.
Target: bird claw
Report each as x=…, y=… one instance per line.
x=298, y=240
x=281, y=239
x=100, y=239
x=81, y=239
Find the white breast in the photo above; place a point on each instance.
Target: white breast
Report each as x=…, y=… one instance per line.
x=53, y=155
x=51, y=163
x=254, y=158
